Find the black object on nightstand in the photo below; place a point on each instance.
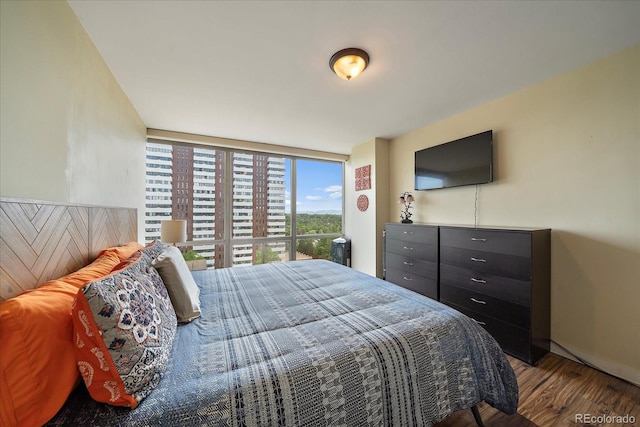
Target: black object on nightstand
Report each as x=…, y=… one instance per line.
x=341, y=251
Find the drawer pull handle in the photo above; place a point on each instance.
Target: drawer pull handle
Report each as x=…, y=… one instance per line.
x=478, y=259
x=407, y=278
x=407, y=248
x=477, y=301
x=473, y=279
x=478, y=239
x=408, y=232
x=479, y=322
x=408, y=263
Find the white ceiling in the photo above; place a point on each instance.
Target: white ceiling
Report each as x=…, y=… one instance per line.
x=259, y=70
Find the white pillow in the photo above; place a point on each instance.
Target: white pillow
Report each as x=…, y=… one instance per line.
x=183, y=291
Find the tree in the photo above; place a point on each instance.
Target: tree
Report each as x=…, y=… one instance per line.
x=306, y=247
x=269, y=255
x=191, y=256
x=315, y=224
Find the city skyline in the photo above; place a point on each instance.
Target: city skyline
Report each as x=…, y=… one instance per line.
x=189, y=183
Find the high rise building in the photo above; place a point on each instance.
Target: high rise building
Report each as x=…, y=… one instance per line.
x=188, y=183
x=158, y=188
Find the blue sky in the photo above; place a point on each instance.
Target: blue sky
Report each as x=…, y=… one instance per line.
x=319, y=186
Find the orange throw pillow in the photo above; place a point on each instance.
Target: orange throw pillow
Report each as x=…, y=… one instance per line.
x=94, y=271
x=127, y=262
x=123, y=252
x=38, y=367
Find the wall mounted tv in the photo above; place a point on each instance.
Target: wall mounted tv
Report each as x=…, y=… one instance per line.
x=465, y=161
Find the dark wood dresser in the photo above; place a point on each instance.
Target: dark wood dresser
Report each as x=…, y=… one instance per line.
x=498, y=277
x=411, y=257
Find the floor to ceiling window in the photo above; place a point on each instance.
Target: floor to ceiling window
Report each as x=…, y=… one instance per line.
x=244, y=208
x=318, y=207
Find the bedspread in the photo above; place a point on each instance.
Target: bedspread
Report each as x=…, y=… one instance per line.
x=312, y=343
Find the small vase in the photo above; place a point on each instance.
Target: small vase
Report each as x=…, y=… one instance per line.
x=407, y=221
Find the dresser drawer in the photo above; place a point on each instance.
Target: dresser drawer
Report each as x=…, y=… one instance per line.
x=420, y=284
x=515, y=267
x=412, y=233
x=517, y=291
x=424, y=251
x=411, y=265
x=512, y=339
x=495, y=308
x=502, y=242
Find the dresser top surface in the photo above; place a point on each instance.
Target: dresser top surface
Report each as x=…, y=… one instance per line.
x=471, y=227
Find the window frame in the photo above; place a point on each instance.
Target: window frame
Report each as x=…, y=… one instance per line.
x=228, y=240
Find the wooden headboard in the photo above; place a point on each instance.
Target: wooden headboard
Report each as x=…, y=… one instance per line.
x=40, y=241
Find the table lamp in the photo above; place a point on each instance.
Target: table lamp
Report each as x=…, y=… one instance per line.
x=173, y=231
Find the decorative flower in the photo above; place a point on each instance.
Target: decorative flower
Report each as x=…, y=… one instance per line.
x=117, y=344
x=406, y=198
x=139, y=312
x=107, y=310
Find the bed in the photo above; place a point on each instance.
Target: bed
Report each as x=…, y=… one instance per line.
x=313, y=343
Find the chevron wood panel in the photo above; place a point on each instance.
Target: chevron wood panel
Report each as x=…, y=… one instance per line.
x=40, y=241
x=111, y=227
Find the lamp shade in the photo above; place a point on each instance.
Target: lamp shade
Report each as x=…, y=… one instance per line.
x=173, y=231
x=349, y=63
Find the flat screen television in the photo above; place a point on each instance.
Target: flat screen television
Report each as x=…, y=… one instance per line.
x=465, y=161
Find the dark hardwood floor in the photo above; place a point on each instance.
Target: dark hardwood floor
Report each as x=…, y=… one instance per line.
x=554, y=391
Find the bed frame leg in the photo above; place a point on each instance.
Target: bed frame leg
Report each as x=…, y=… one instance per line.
x=476, y=415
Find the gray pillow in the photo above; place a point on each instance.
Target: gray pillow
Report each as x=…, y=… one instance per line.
x=183, y=291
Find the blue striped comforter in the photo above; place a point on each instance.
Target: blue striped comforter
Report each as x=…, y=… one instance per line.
x=313, y=343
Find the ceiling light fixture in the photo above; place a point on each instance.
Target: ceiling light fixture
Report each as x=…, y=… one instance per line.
x=349, y=63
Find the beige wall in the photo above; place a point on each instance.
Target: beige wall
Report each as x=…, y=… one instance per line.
x=68, y=133
x=365, y=228
x=567, y=157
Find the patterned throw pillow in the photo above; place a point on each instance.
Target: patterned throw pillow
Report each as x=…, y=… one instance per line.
x=124, y=325
x=153, y=250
